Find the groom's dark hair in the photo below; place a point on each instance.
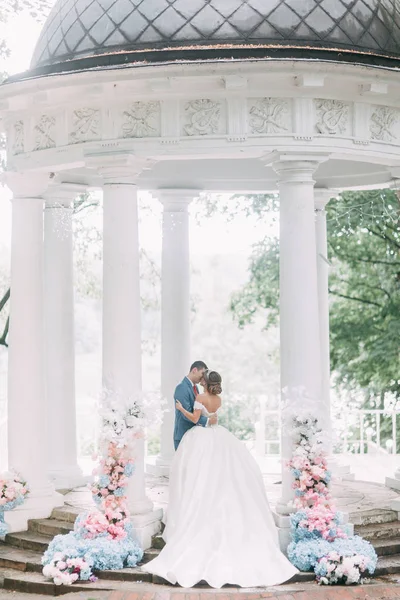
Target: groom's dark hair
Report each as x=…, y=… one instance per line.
x=198, y=364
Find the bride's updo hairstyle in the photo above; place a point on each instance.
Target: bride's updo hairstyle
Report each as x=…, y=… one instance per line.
x=213, y=382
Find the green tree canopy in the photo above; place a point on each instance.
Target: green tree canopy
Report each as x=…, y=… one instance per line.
x=364, y=250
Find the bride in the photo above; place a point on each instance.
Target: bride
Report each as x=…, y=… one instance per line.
x=219, y=528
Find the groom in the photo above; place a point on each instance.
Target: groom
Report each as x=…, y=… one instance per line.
x=186, y=393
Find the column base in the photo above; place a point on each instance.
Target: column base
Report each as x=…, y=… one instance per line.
x=340, y=471
x=395, y=505
x=38, y=505
x=393, y=482
x=68, y=478
x=282, y=523
x=158, y=466
x=146, y=526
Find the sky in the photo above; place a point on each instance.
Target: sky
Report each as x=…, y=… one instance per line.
x=211, y=236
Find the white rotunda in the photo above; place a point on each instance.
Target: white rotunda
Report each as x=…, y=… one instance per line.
x=180, y=97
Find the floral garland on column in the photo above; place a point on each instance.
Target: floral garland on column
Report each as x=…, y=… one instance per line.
x=320, y=541
x=103, y=538
x=13, y=491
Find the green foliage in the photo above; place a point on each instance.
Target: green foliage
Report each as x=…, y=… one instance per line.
x=238, y=416
x=261, y=293
x=38, y=9
x=364, y=242
x=364, y=248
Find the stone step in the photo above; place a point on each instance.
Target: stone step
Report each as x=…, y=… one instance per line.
x=66, y=513
x=149, y=555
x=50, y=527
x=136, y=575
x=303, y=577
x=157, y=542
x=387, y=547
x=34, y=583
x=20, y=560
x=379, y=531
x=28, y=540
x=28, y=560
x=388, y=565
x=373, y=516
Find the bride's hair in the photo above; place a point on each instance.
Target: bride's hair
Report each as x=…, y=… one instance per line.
x=213, y=382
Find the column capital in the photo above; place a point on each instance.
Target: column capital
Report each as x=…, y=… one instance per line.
x=27, y=184
x=322, y=197
x=175, y=200
x=295, y=167
x=62, y=194
x=119, y=168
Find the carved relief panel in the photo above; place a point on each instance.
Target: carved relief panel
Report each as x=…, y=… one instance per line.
x=269, y=116
x=385, y=124
x=203, y=117
x=141, y=120
x=333, y=117
x=85, y=125
x=44, y=132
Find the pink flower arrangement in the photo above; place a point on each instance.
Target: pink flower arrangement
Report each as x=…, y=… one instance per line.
x=12, y=489
x=322, y=519
x=308, y=465
x=109, y=493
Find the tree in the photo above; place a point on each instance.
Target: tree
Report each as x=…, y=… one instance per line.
x=38, y=9
x=364, y=247
x=364, y=242
x=88, y=241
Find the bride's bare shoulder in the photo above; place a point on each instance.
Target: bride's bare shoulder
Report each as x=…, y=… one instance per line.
x=200, y=398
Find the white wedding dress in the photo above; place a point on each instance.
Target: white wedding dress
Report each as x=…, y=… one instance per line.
x=219, y=525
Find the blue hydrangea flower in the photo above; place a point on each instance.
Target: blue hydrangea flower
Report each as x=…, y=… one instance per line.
x=101, y=553
x=305, y=554
x=129, y=470
x=104, y=481
x=3, y=525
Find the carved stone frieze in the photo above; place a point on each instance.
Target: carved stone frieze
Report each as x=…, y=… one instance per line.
x=269, y=116
x=333, y=117
x=202, y=117
x=384, y=123
x=18, y=145
x=45, y=133
x=85, y=125
x=141, y=120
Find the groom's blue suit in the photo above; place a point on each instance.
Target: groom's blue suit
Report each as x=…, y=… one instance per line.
x=185, y=394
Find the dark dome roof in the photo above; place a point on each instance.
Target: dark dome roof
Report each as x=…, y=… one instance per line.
x=89, y=33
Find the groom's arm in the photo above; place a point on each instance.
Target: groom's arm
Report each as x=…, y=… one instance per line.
x=183, y=395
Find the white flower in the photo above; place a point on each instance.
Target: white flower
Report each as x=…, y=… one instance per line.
x=353, y=576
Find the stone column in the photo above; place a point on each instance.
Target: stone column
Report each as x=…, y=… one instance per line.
x=299, y=310
x=322, y=197
x=122, y=364
x=27, y=410
x=175, y=311
x=60, y=339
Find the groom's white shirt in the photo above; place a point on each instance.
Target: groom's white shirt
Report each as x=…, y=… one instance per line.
x=192, y=384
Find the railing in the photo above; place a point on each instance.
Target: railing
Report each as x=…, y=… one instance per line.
x=360, y=431
x=377, y=431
